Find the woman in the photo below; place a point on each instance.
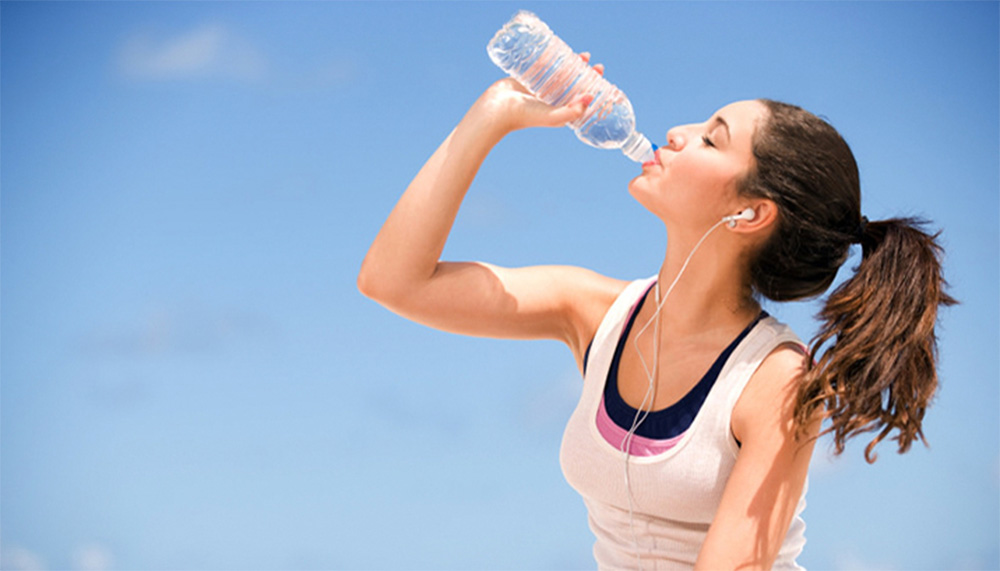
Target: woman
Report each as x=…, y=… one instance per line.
x=679, y=467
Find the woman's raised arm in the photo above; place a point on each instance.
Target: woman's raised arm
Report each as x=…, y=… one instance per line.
x=402, y=270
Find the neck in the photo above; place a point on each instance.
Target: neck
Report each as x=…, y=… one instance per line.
x=711, y=292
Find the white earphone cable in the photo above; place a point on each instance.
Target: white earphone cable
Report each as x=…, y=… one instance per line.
x=644, y=408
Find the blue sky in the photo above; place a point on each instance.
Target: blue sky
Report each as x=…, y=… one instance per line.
x=190, y=380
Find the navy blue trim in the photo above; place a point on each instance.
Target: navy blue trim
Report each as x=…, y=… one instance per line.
x=675, y=419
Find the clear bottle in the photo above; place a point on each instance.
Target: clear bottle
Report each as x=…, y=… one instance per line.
x=529, y=52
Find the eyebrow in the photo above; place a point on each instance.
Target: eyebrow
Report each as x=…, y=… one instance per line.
x=719, y=119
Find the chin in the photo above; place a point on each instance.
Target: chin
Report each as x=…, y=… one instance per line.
x=636, y=186
x=640, y=188
x=640, y=193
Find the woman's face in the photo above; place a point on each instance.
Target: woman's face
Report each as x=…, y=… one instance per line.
x=693, y=179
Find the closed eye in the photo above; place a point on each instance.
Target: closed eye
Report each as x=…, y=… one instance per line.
x=708, y=142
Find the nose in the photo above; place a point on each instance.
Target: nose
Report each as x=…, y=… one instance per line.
x=675, y=139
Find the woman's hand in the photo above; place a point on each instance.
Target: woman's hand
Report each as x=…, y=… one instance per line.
x=513, y=107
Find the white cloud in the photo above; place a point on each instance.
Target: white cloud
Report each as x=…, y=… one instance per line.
x=849, y=561
x=187, y=327
x=16, y=558
x=92, y=557
x=205, y=52
x=333, y=73
x=86, y=557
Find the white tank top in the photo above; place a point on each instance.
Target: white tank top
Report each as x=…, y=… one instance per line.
x=676, y=494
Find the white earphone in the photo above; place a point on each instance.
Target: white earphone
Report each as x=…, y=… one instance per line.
x=642, y=412
x=746, y=214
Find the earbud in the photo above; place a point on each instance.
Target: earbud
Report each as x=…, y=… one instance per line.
x=746, y=214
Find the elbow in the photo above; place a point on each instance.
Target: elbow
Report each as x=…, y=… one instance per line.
x=364, y=285
x=379, y=286
x=368, y=282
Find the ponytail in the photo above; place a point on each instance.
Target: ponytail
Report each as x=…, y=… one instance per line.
x=878, y=372
x=873, y=366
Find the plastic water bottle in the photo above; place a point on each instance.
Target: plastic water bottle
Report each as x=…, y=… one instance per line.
x=528, y=50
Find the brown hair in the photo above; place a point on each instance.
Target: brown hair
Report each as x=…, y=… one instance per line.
x=873, y=360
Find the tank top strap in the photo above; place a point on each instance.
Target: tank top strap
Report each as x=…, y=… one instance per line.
x=767, y=336
x=602, y=348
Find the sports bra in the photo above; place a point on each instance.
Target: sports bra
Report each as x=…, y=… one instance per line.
x=658, y=429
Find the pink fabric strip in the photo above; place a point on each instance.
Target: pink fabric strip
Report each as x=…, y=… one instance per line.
x=640, y=445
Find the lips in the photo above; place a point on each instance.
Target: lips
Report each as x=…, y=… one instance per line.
x=655, y=161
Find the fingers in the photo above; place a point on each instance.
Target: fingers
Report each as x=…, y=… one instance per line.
x=571, y=111
x=598, y=67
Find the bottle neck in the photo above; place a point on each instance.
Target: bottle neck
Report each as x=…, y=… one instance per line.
x=638, y=148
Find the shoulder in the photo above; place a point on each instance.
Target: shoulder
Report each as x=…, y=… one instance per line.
x=767, y=404
x=764, y=490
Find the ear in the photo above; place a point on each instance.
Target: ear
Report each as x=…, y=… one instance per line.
x=765, y=217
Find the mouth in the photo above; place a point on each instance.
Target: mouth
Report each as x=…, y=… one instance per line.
x=654, y=162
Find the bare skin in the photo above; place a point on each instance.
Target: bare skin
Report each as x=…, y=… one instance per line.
x=690, y=187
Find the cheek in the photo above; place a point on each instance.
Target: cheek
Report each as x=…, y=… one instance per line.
x=687, y=187
x=707, y=180
x=697, y=175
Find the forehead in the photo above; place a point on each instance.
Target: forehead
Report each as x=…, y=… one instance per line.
x=742, y=117
x=749, y=108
